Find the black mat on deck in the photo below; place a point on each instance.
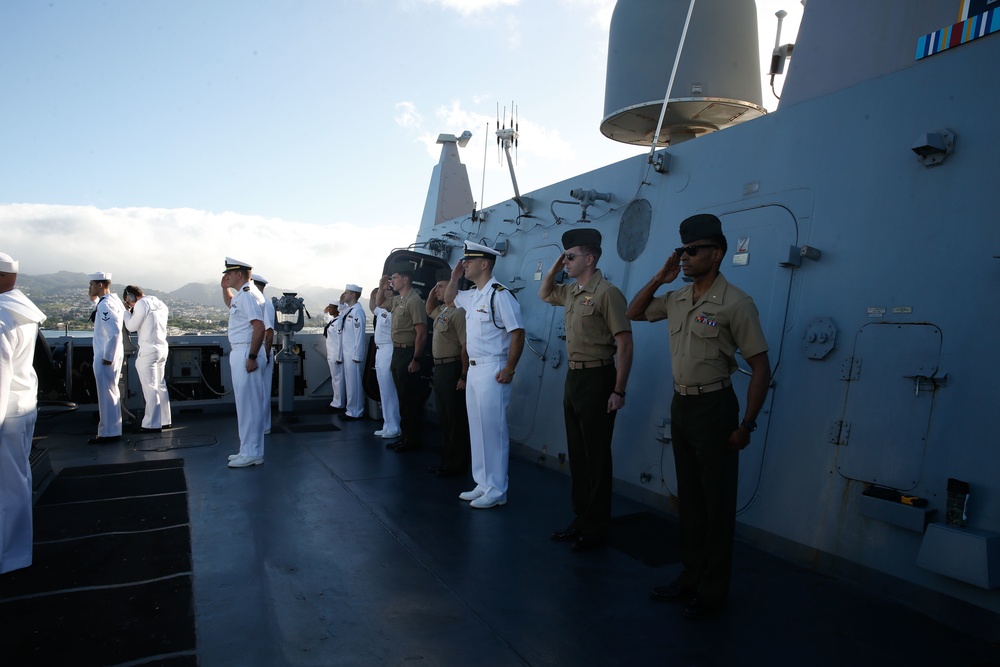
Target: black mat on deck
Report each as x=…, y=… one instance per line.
x=646, y=537
x=111, y=578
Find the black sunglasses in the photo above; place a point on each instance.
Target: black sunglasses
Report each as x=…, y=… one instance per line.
x=693, y=249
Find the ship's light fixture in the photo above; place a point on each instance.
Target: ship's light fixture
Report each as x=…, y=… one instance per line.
x=933, y=148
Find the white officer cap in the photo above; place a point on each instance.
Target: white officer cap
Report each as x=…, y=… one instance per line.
x=351, y=287
x=7, y=263
x=257, y=278
x=475, y=250
x=335, y=301
x=233, y=264
x=100, y=275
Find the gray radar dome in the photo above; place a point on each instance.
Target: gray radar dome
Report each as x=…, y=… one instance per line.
x=718, y=77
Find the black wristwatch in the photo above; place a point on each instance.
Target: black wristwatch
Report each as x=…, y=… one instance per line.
x=619, y=393
x=252, y=356
x=749, y=424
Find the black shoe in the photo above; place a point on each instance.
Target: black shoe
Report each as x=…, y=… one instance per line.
x=143, y=429
x=567, y=534
x=166, y=427
x=698, y=608
x=672, y=592
x=586, y=543
x=347, y=418
x=449, y=472
x=104, y=439
x=333, y=409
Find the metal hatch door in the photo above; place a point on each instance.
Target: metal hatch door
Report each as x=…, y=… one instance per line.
x=759, y=240
x=891, y=381
x=537, y=317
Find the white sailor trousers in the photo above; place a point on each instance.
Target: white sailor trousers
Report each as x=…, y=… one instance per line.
x=267, y=368
x=151, y=368
x=108, y=397
x=487, y=402
x=387, y=388
x=248, y=389
x=15, y=491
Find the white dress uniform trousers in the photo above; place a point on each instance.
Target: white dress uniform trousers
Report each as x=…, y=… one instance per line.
x=19, y=320
x=245, y=307
x=383, y=358
x=108, y=319
x=353, y=342
x=335, y=360
x=149, y=319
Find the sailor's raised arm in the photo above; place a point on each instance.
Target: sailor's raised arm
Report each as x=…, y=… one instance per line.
x=549, y=279
x=451, y=291
x=667, y=274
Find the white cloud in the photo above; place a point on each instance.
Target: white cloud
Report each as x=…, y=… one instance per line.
x=469, y=7
x=167, y=248
x=407, y=115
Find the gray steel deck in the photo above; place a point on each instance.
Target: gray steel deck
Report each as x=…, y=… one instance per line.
x=338, y=551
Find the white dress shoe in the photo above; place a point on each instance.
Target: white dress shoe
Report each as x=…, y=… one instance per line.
x=486, y=501
x=391, y=435
x=233, y=457
x=471, y=495
x=246, y=461
x=380, y=431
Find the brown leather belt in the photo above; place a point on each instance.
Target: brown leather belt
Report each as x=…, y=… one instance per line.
x=697, y=390
x=446, y=360
x=578, y=365
x=402, y=345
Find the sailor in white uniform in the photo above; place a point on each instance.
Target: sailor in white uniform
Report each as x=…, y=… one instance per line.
x=147, y=315
x=354, y=342
x=333, y=354
x=108, y=356
x=246, y=338
x=267, y=368
x=383, y=359
x=494, y=339
x=19, y=320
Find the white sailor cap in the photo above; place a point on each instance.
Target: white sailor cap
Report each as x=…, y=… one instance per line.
x=257, y=278
x=100, y=275
x=475, y=250
x=335, y=301
x=234, y=264
x=7, y=263
x=351, y=287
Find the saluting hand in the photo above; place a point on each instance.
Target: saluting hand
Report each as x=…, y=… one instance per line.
x=668, y=273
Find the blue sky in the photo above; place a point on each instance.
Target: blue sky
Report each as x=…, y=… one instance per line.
x=152, y=138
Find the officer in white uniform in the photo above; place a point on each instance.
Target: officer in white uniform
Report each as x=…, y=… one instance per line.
x=267, y=368
x=246, y=338
x=108, y=356
x=19, y=320
x=383, y=359
x=353, y=347
x=333, y=354
x=147, y=315
x=494, y=338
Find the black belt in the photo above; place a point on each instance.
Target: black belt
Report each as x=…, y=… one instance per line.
x=697, y=390
x=446, y=360
x=578, y=365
